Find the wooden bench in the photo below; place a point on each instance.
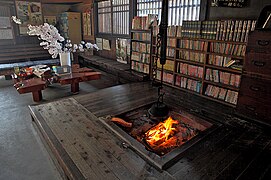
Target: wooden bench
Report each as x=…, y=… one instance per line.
x=22, y=55
x=22, y=52
x=120, y=70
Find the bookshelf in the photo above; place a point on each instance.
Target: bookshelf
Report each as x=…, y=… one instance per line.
x=202, y=67
x=141, y=50
x=143, y=28
x=207, y=61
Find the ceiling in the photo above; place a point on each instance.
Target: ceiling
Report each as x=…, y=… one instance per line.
x=62, y=1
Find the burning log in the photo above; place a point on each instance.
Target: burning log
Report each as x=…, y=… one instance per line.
x=165, y=146
x=138, y=132
x=167, y=135
x=121, y=122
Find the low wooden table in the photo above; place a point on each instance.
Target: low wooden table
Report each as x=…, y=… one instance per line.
x=36, y=85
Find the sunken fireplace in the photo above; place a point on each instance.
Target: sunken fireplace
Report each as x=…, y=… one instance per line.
x=160, y=141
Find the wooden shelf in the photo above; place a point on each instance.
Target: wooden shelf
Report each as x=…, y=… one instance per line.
x=140, y=52
x=201, y=95
x=204, y=96
x=140, y=30
x=212, y=53
x=218, y=100
x=149, y=35
x=187, y=90
x=204, y=55
x=177, y=87
x=193, y=50
x=189, y=77
x=168, y=58
x=228, y=69
x=226, y=55
x=142, y=41
x=139, y=72
x=190, y=62
x=171, y=47
x=221, y=85
x=140, y=62
x=212, y=40
x=166, y=70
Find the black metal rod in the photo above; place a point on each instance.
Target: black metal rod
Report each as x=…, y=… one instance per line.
x=163, y=32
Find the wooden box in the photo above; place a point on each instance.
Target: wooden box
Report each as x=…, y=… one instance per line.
x=259, y=63
x=259, y=41
x=256, y=87
x=251, y=107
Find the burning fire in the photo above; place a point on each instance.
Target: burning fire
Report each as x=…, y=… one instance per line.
x=161, y=132
x=168, y=135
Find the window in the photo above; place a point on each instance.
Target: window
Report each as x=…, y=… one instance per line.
x=104, y=17
x=178, y=10
x=113, y=17
x=6, y=28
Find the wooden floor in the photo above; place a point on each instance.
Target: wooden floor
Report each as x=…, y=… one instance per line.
x=86, y=150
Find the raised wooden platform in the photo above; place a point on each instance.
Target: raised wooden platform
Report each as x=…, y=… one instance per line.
x=120, y=70
x=86, y=150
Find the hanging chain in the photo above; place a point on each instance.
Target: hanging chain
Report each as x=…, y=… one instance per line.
x=154, y=67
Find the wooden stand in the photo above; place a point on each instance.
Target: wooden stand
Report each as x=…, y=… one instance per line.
x=36, y=85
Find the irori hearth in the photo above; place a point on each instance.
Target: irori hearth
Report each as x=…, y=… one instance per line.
x=160, y=141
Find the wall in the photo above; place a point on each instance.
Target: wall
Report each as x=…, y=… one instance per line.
x=252, y=11
x=103, y=53
x=54, y=9
x=19, y=39
x=109, y=54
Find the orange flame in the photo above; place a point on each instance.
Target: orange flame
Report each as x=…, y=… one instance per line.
x=161, y=132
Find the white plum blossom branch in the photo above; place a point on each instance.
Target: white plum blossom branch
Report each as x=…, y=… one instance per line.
x=16, y=20
x=53, y=41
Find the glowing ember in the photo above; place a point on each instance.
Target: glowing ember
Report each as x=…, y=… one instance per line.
x=168, y=134
x=161, y=132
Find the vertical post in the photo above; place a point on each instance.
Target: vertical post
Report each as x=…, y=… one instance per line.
x=163, y=35
x=37, y=96
x=163, y=32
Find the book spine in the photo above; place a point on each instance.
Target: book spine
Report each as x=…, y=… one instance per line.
x=231, y=31
x=221, y=30
x=243, y=31
x=253, y=25
x=224, y=31
x=249, y=23
x=235, y=30
x=228, y=30
x=217, y=30
x=238, y=36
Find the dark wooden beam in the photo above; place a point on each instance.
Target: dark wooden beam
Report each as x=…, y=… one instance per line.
x=62, y=1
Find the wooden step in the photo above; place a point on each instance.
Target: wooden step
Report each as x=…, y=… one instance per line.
x=18, y=46
x=22, y=49
x=4, y=60
x=23, y=53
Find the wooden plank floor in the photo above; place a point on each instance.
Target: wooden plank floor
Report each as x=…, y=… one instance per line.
x=86, y=150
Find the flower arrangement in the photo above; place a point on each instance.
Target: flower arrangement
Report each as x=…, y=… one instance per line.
x=53, y=41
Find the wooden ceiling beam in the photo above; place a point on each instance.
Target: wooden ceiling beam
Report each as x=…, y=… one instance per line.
x=62, y=1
